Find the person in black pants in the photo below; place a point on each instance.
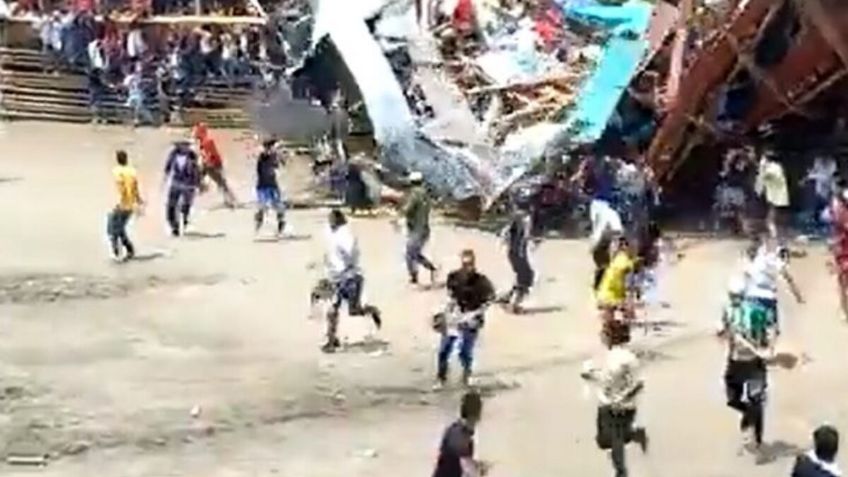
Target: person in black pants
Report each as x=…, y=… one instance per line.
x=745, y=376
x=517, y=238
x=618, y=386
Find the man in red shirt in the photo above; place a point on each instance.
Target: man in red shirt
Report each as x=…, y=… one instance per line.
x=212, y=163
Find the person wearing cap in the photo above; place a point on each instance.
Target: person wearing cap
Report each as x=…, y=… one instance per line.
x=820, y=461
x=469, y=295
x=617, y=383
x=345, y=275
x=839, y=219
x=268, y=194
x=416, y=214
x=212, y=164
x=749, y=338
x=182, y=174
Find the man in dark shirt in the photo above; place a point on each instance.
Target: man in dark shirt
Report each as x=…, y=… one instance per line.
x=470, y=293
x=416, y=213
x=267, y=189
x=517, y=236
x=456, y=452
x=183, y=173
x=819, y=462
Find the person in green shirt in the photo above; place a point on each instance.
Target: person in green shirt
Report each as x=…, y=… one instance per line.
x=416, y=214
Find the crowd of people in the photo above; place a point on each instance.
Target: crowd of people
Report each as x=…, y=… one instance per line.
x=626, y=245
x=156, y=68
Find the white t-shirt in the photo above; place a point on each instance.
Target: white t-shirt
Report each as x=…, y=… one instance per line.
x=616, y=376
x=135, y=44
x=822, y=174
x=95, y=55
x=604, y=219
x=342, y=259
x=762, y=273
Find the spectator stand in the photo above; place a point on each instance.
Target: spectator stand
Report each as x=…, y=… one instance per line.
x=180, y=82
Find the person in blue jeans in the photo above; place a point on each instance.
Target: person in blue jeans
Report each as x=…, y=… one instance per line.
x=470, y=293
x=182, y=171
x=268, y=194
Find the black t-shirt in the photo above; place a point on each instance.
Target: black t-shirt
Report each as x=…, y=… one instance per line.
x=266, y=170
x=470, y=290
x=457, y=443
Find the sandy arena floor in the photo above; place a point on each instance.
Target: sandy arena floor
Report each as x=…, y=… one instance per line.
x=101, y=365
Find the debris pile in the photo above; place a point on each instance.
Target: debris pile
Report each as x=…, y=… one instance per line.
x=516, y=66
x=472, y=93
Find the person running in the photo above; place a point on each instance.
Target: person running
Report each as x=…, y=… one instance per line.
x=821, y=460
x=470, y=293
x=598, y=178
x=749, y=336
x=268, y=194
x=615, y=291
x=456, y=450
x=183, y=176
x=517, y=235
x=345, y=276
x=129, y=200
x=618, y=384
x=769, y=263
x=212, y=164
x=839, y=219
x=416, y=212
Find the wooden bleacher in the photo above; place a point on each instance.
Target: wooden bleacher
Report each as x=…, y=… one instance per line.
x=27, y=91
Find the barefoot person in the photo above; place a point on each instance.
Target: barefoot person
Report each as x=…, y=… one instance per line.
x=617, y=385
x=212, y=165
x=456, y=451
x=129, y=200
x=182, y=174
x=345, y=275
x=839, y=218
x=416, y=213
x=268, y=194
x=470, y=293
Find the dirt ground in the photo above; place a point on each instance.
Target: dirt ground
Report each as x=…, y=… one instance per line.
x=201, y=359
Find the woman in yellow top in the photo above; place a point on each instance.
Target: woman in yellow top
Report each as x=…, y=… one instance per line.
x=129, y=198
x=613, y=291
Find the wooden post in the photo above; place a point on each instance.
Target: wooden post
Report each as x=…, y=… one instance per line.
x=198, y=8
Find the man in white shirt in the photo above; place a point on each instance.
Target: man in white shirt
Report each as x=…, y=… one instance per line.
x=617, y=383
x=766, y=266
x=343, y=271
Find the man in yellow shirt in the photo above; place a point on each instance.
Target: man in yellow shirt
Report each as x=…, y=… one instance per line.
x=129, y=199
x=613, y=292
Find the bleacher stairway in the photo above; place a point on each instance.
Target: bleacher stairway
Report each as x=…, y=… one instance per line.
x=27, y=91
